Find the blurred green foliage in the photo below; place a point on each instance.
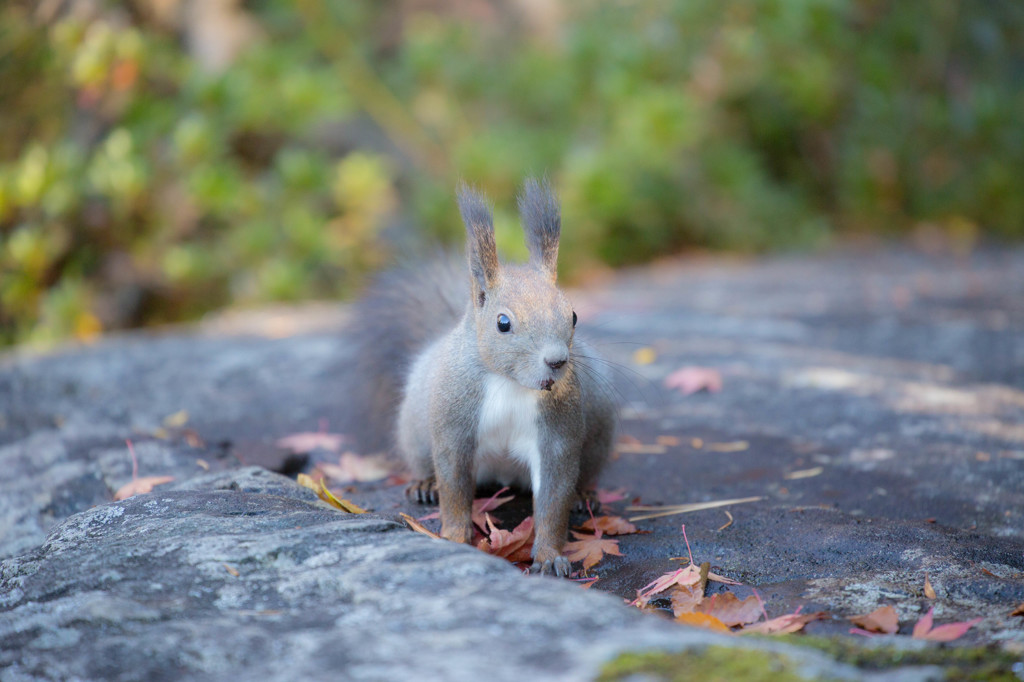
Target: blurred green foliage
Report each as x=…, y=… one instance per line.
x=143, y=181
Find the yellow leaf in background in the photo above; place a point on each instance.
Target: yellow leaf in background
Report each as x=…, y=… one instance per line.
x=929, y=591
x=176, y=420
x=327, y=496
x=645, y=355
x=419, y=527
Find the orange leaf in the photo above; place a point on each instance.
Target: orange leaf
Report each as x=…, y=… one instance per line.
x=1019, y=611
x=485, y=504
x=729, y=609
x=141, y=485
x=514, y=545
x=419, y=527
x=690, y=380
x=929, y=591
x=609, y=525
x=703, y=620
x=882, y=619
x=944, y=633
x=791, y=622
x=590, y=549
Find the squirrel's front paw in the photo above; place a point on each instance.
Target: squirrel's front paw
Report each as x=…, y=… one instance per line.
x=558, y=565
x=423, y=492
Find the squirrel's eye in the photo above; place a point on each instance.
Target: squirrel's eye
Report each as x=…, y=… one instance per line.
x=504, y=324
x=574, y=319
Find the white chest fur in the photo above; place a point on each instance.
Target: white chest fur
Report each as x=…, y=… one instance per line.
x=508, y=449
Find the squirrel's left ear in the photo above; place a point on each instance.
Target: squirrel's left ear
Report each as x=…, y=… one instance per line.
x=542, y=222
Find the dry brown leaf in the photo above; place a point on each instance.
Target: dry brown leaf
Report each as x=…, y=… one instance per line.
x=352, y=468
x=1019, y=611
x=485, y=504
x=882, y=619
x=791, y=622
x=670, y=441
x=729, y=609
x=514, y=545
x=685, y=598
x=139, y=486
x=929, y=591
x=301, y=443
x=234, y=572
x=590, y=549
x=944, y=633
x=689, y=380
x=703, y=620
x=419, y=527
x=609, y=525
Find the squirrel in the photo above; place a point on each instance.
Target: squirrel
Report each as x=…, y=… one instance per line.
x=490, y=382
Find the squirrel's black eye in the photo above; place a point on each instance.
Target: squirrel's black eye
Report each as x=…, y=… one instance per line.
x=504, y=324
x=574, y=319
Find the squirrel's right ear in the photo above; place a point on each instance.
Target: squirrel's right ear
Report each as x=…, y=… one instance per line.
x=480, y=246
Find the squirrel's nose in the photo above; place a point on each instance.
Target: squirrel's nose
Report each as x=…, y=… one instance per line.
x=555, y=364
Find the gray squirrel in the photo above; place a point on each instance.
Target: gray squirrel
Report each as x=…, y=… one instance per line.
x=490, y=383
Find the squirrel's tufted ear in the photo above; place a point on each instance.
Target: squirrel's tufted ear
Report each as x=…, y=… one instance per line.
x=480, y=247
x=542, y=222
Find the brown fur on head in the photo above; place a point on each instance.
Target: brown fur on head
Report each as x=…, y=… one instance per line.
x=524, y=323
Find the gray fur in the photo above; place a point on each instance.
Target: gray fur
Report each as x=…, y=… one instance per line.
x=542, y=223
x=446, y=372
x=480, y=247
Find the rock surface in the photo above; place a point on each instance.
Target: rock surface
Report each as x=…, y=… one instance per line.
x=874, y=401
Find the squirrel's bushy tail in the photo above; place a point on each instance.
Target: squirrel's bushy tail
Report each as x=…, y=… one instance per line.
x=402, y=311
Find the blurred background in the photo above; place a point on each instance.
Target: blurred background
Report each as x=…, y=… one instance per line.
x=163, y=158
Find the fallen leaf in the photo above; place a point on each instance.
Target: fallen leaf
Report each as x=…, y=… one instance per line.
x=485, y=504
x=645, y=355
x=352, y=467
x=882, y=619
x=419, y=527
x=791, y=622
x=670, y=441
x=685, y=598
x=609, y=496
x=689, y=380
x=731, y=446
x=231, y=570
x=514, y=545
x=203, y=464
x=317, y=486
x=929, y=591
x=590, y=549
x=609, y=525
x=587, y=583
x=301, y=443
x=176, y=420
x=1019, y=611
x=730, y=609
x=139, y=486
x=703, y=620
x=689, y=575
x=944, y=633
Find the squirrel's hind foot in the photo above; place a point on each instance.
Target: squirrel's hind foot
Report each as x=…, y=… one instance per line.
x=423, y=491
x=585, y=498
x=559, y=566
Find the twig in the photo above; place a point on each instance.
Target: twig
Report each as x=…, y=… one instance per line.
x=670, y=510
x=727, y=524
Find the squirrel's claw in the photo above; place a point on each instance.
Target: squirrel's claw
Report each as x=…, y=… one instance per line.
x=423, y=491
x=558, y=566
x=582, y=498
